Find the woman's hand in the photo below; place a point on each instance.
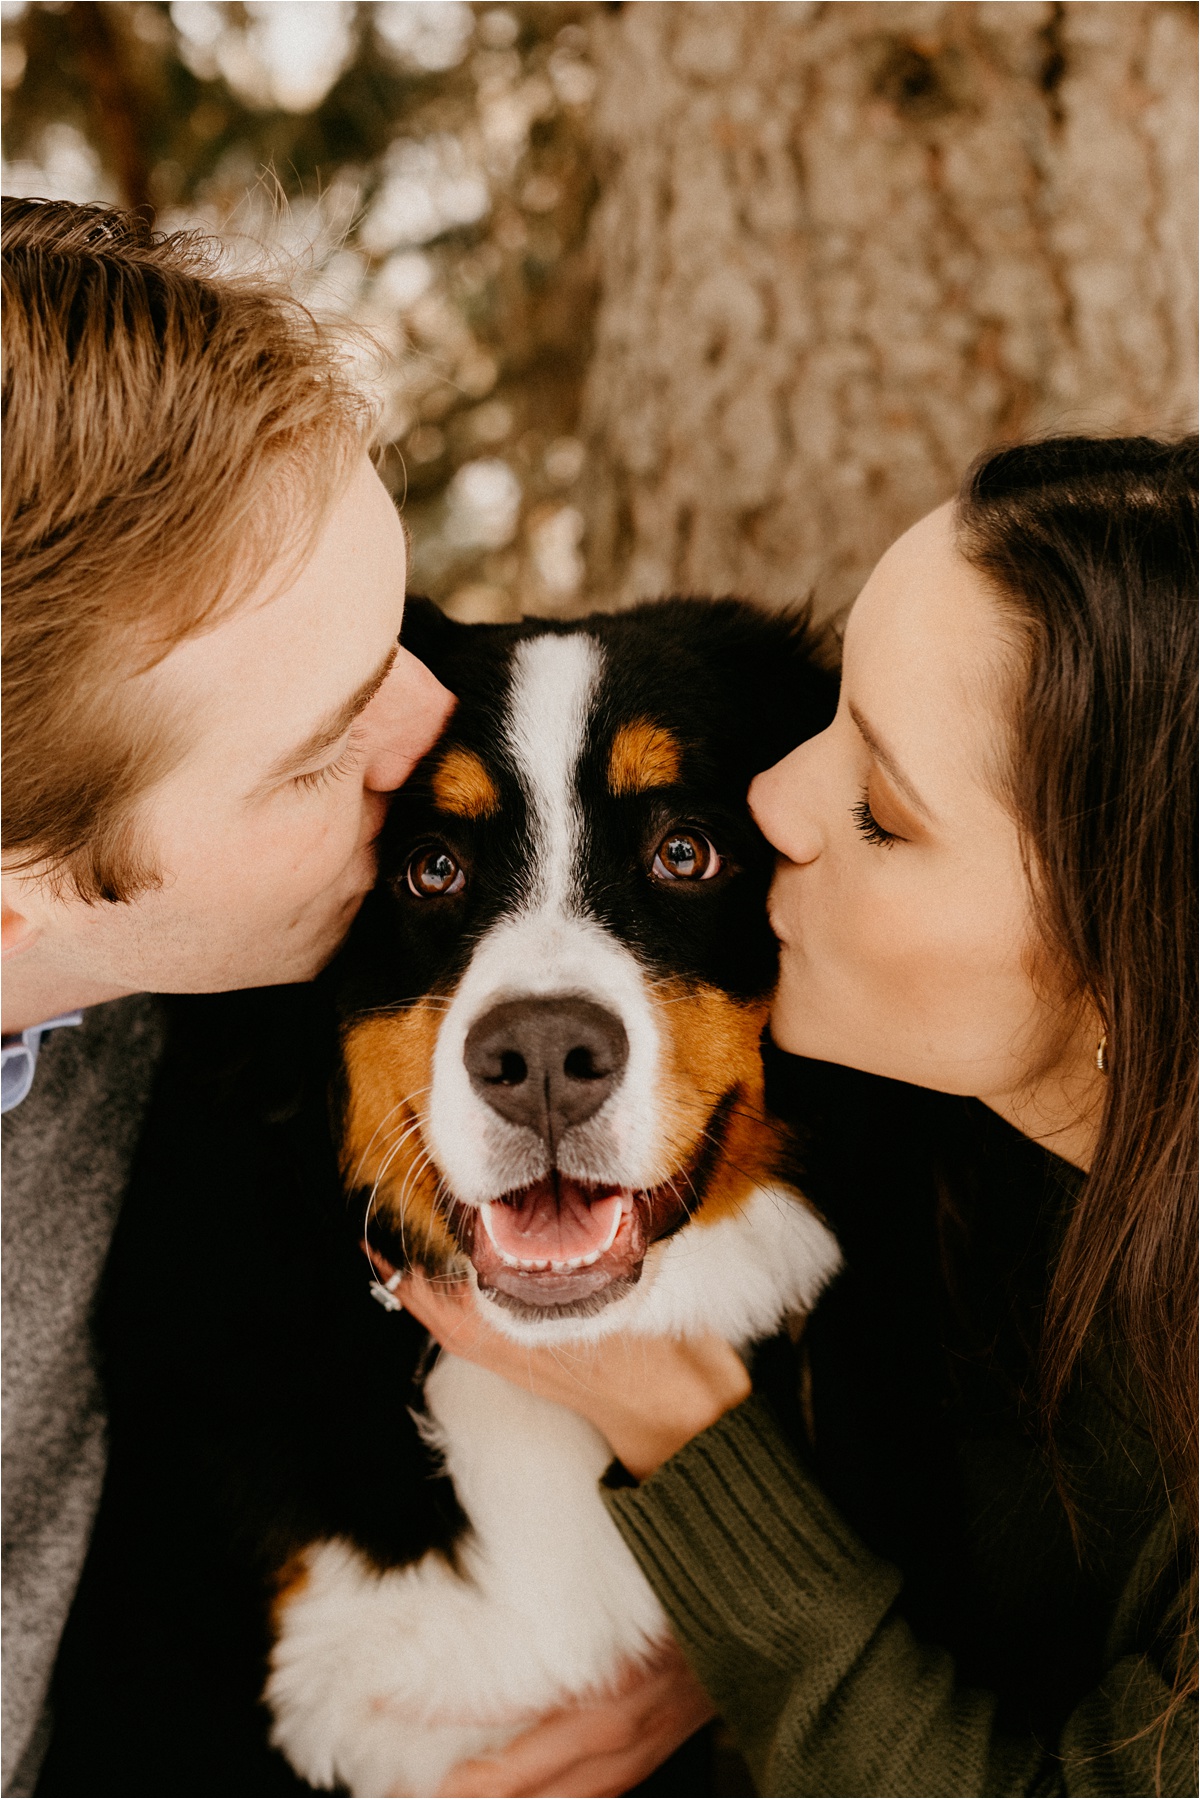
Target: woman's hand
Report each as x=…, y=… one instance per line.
x=647, y=1396
x=604, y=1745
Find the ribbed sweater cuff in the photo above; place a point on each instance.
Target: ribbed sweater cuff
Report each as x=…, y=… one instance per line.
x=740, y=1545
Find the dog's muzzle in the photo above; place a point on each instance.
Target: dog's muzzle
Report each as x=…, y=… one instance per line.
x=559, y=1244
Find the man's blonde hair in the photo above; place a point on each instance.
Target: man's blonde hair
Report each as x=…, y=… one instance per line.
x=169, y=430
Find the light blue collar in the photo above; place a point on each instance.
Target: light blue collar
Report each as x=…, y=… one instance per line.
x=18, y=1059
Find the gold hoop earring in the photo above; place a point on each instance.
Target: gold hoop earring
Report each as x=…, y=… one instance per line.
x=1102, y=1053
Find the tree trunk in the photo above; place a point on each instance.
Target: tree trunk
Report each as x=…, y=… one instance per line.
x=844, y=248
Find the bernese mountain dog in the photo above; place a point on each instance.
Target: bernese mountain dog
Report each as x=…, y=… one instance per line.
x=541, y=1048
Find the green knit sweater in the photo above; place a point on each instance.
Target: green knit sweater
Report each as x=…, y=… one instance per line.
x=981, y=1640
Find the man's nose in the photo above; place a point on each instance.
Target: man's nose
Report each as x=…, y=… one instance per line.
x=404, y=720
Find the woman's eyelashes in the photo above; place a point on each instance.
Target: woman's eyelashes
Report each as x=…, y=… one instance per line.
x=869, y=826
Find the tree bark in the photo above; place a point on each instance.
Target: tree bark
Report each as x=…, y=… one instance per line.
x=842, y=249
x=118, y=108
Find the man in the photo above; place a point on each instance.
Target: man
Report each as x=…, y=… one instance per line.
x=205, y=708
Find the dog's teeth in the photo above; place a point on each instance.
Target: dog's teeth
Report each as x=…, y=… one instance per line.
x=485, y=1212
x=614, y=1227
x=530, y=1266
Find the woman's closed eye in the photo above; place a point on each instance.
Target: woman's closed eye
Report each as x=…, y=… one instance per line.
x=869, y=825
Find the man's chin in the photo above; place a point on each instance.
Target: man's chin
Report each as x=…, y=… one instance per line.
x=306, y=956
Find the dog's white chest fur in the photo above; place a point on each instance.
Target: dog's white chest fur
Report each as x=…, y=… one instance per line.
x=383, y=1681
x=374, y=1674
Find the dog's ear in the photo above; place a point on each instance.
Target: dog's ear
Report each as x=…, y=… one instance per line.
x=768, y=673
x=795, y=681
x=428, y=633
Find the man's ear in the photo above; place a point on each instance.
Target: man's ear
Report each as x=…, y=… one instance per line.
x=16, y=931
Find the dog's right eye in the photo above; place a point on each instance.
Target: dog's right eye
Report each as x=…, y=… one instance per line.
x=686, y=856
x=434, y=873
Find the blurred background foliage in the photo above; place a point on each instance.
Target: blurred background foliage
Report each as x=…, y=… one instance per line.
x=672, y=296
x=425, y=168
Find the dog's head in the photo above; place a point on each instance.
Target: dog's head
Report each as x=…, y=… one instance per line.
x=554, y=1000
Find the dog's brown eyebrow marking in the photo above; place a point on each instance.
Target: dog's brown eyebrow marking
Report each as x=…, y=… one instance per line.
x=462, y=785
x=643, y=756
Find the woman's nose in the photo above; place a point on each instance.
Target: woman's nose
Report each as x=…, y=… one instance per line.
x=404, y=721
x=781, y=801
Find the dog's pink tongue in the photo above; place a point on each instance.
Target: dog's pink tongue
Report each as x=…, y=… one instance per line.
x=554, y=1221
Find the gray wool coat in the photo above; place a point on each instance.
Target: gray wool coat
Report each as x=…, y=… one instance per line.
x=67, y=1153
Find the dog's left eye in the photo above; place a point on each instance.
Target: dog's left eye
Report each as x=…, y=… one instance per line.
x=685, y=856
x=433, y=873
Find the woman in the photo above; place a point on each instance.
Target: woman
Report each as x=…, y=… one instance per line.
x=965, y=1562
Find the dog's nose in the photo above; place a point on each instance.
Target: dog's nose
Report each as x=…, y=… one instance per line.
x=546, y=1063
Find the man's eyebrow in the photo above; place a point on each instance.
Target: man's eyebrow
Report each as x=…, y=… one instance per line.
x=332, y=727
x=888, y=762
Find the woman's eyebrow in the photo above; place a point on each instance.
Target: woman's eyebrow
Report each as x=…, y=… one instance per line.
x=888, y=762
x=332, y=727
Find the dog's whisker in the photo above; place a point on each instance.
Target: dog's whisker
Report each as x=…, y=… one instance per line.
x=371, y=1141
x=388, y=1160
x=414, y=1172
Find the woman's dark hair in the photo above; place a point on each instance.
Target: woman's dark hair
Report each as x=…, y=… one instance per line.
x=1090, y=543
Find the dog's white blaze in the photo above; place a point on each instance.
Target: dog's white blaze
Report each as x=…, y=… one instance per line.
x=554, y=682
x=548, y=945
